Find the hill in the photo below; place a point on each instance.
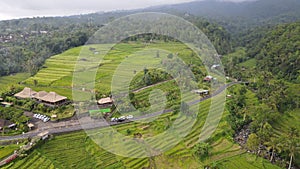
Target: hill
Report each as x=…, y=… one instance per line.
x=25, y=44
x=243, y=15
x=278, y=52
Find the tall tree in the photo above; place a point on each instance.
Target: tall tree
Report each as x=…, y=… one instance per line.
x=274, y=145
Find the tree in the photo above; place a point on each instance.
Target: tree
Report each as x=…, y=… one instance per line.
x=202, y=150
x=292, y=143
x=128, y=131
x=35, y=82
x=274, y=145
x=170, y=56
x=253, y=142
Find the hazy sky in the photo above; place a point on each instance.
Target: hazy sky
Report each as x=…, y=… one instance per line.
x=11, y=9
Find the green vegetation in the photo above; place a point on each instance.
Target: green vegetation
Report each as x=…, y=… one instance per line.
x=7, y=150
x=278, y=52
x=246, y=161
x=61, y=151
x=27, y=43
x=12, y=81
x=267, y=107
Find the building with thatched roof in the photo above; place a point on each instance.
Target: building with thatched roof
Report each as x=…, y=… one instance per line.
x=40, y=95
x=26, y=93
x=104, y=102
x=53, y=99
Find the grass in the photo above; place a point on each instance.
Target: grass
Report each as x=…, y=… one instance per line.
x=284, y=123
x=6, y=82
x=58, y=71
x=245, y=160
x=76, y=150
x=62, y=150
x=251, y=63
x=7, y=150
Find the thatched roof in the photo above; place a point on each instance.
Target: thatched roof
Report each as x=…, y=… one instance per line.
x=53, y=97
x=26, y=93
x=30, y=125
x=107, y=100
x=40, y=94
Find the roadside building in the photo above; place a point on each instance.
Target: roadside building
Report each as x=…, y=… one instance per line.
x=53, y=99
x=202, y=92
x=30, y=126
x=105, y=102
x=6, y=104
x=216, y=66
x=39, y=95
x=26, y=93
x=43, y=135
x=208, y=79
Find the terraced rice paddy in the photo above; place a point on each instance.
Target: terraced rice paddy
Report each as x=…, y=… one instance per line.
x=77, y=150
x=57, y=73
x=8, y=81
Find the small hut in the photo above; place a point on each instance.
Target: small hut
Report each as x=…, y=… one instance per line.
x=30, y=126
x=53, y=99
x=26, y=93
x=105, y=102
x=208, y=79
x=6, y=104
x=202, y=92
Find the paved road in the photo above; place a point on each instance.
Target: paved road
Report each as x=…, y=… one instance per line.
x=88, y=123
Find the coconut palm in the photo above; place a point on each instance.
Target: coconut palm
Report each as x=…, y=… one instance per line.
x=292, y=144
x=275, y=144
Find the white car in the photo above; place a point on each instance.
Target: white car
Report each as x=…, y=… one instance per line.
x=46, y=119
x=129, y=117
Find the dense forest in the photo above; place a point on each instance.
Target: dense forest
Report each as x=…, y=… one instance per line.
x=239, y=17
x=278, y=52
x=26, y=43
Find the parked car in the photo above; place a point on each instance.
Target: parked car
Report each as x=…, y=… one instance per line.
x=129, y=117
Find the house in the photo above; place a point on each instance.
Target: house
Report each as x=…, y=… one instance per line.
x=40, y=95
x=6, y=104
x=105, y=102
x=202, y=92
x=43, y=135
x=208, y=79
x=215, y=66
x=30, y=126
x=53, y=99
x=26, y=93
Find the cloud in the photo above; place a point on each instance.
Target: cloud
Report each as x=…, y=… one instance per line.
x=29, y=8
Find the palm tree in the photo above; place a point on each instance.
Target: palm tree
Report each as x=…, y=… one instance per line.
x=275, y=144
x=293, y=144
